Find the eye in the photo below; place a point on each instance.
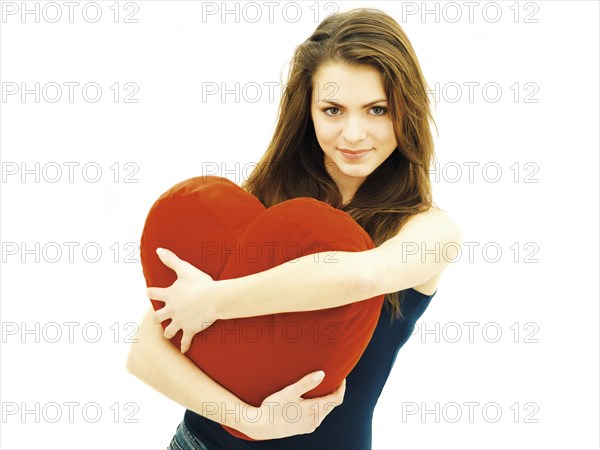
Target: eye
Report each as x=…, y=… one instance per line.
x=327, y=109
x=384, y=110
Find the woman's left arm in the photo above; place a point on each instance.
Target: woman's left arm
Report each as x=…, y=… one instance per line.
x=425, y=246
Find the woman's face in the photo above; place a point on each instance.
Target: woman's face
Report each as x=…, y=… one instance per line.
x=349, y=111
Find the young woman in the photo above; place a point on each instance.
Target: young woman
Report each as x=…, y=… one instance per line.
x=353, y=131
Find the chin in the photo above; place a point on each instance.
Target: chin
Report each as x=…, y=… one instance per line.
x=358, y=172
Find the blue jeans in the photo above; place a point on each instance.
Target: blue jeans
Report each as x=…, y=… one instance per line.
x=184, y=440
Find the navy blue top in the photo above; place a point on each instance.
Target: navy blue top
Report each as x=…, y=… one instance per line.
x=348, y=426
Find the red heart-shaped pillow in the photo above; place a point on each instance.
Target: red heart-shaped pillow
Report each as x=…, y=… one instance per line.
x=227, y=233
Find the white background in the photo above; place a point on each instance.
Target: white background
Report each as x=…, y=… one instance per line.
x=541, y=374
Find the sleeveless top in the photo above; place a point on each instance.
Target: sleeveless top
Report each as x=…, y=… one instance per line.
x=348, y=426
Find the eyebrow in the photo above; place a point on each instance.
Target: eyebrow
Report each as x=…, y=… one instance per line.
x=364, y=106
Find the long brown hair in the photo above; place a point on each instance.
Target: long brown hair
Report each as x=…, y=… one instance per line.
x=293, y=164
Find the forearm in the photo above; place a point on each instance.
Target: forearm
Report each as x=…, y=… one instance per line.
x=158, y=363
x=318, y=281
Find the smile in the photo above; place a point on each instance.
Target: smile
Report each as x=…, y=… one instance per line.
x=353, y=155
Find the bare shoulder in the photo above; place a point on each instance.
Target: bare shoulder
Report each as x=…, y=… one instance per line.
x=437, y=221
x=442, y=225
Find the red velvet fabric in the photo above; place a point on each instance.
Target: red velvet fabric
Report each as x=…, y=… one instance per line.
x=227, y=233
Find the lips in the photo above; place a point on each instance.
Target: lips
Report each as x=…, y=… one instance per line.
x=354, y=152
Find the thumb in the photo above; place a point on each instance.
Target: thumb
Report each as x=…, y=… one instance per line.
x=172, y=261
x=168, y=258
x=307, y=383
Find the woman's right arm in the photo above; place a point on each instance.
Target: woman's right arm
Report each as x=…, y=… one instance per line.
x=158, y=363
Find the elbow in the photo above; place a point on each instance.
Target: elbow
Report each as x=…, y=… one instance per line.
x=139, y=349
x=137, y=364
x=137, y=359
x=132, y=364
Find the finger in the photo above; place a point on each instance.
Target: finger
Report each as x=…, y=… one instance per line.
x=161, y=315
x=305, y=384
x=186, y=342
x=171, y=330
x=168, y=258
x=339, y=393
x=156, y=293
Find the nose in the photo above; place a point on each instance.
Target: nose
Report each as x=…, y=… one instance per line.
x=354, y=130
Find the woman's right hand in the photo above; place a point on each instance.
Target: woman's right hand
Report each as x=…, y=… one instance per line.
x=285, y=413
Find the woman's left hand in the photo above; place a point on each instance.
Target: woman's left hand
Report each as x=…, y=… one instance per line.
x=190, y=302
